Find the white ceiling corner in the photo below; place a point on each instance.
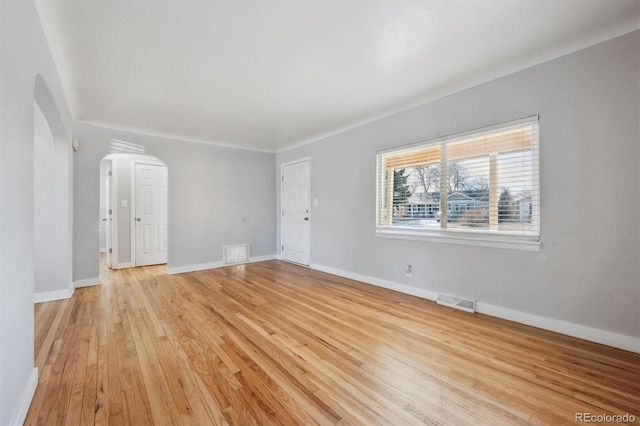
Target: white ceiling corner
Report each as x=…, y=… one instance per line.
x=270, y=74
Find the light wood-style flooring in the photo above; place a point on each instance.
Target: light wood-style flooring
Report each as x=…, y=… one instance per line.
x=274, y=343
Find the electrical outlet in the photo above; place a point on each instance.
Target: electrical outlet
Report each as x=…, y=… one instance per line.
x=408, y=271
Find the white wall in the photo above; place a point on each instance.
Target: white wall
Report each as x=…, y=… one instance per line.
x=52, y=272
x=25, y=53
x=587, y=270
x=210, y=188
x=123, y=167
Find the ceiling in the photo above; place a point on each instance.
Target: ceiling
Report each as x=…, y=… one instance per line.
x=270, y=74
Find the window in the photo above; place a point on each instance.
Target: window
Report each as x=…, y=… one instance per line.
x=476, y=186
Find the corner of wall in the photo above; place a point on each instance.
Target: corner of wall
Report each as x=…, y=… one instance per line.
x=49, y=296
x=87, y=282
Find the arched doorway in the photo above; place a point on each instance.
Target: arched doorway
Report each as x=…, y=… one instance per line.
x=133, y=210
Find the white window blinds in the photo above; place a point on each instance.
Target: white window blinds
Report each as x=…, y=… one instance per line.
x=483, y=181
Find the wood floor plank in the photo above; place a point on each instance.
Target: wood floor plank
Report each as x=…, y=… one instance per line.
x=49, y=331
x=275, y=343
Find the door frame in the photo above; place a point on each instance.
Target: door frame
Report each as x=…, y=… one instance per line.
x=113, y=205
x=134, y=164
x=281, y=212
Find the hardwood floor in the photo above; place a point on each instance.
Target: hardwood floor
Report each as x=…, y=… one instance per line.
x=274, y=343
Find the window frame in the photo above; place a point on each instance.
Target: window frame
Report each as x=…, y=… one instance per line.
x=443, y=234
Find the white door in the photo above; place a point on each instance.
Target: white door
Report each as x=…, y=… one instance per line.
x=150, y=215
x=108, y=214
x=296, y=220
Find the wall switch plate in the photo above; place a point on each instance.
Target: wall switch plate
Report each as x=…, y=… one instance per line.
x=123, y=204
x=316, y=202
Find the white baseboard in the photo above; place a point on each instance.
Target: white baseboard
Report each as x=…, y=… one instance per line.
x=49, y=296
x=596, y=335
x=213, y=265
x=87, y=282
x=123, y=265
x=628, y=343
x=25, y=399
x=255, y=259
x=402, y=288
x=192, y=268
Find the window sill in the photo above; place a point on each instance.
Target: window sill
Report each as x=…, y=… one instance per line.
x=451, y=237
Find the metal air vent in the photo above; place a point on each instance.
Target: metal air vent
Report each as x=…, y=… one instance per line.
x=234, y=255
x=467, y=305
x=121, y=147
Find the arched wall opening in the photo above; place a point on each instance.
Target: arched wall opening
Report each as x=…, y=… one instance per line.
x=51, y=199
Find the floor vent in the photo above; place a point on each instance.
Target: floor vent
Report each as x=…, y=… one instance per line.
x=234, y=255
x=457, y=302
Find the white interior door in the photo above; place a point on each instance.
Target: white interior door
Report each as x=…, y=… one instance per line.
x=150, y=214
x=296, y=218
x=109, y=197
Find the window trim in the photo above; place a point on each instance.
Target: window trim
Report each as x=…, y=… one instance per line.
x=480, y=238
x=467, y=238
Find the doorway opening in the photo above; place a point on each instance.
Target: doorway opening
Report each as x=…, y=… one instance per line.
x=133, y=210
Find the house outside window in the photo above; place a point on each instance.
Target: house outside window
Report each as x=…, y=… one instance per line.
x=478, y=185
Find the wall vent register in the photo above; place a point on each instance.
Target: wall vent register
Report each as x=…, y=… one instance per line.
x=467, y=305
x=236, y=254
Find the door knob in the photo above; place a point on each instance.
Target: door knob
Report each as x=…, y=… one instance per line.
x=306, y=218
x=138, y=219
